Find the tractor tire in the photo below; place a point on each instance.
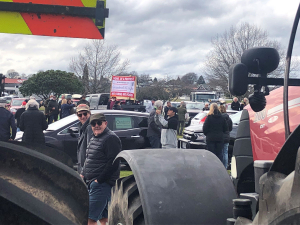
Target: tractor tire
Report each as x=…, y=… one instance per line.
x=172, y=186
x=126, y=206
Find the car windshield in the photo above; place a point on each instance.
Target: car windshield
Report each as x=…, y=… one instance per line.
x=62, y=122
x=204, y=97
x=236, y=117
x=17, y=102
x=200, y=116
x=87, y=98
x=195, y=105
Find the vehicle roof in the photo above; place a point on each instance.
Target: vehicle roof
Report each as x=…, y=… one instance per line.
x=107, y=111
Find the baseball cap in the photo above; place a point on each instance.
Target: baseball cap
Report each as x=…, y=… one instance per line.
x=82, y=107
x=174, y=109
x=97, y=116
x=24, y=103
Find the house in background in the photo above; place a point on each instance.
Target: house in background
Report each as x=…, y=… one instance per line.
x=12, y=86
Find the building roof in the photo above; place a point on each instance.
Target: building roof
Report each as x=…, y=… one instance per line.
x=14, y=81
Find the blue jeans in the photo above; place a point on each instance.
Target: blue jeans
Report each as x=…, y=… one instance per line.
x=225, y=154
x=154, y=141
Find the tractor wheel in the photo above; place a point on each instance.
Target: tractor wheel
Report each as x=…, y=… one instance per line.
x=172, y=186
x=126, y=206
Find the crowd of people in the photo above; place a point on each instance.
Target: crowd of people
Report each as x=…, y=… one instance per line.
x=98, y=146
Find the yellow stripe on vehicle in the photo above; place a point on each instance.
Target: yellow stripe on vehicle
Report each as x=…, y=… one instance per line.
x=13, y=22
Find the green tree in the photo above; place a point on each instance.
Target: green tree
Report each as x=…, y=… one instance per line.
x=57, y=82
x=201, y=80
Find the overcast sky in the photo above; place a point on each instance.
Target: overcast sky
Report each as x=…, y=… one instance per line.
x=159, y=37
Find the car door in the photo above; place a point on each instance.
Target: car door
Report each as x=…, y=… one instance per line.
x=103, y=100
x=124, y=127
x=70, y=139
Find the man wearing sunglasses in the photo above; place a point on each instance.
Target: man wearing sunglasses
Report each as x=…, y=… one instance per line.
x=100, y=171
x=85, y=133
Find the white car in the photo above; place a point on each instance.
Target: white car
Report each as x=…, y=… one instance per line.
x=200, y=117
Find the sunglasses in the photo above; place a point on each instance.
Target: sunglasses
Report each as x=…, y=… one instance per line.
x=93, y=123
x=80, y=115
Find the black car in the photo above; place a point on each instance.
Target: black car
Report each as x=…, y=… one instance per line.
x=131, y=128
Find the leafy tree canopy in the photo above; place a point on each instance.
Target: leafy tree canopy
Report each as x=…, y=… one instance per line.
x=51, y=81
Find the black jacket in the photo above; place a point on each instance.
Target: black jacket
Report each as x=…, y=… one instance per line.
x=235, y=106
x=53, y=104
x=33, y=122
x=83, y=101
x=229, y=124
x=100, y=154
x=7, y=122
x=214, y=127
x=85, y=134
x=18, y=115
x=166, y=109
x=116, y=107
x=153, y=128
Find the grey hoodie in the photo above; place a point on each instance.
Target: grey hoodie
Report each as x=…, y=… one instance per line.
x=169, y=130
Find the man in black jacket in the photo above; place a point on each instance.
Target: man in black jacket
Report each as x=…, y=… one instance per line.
x=235, y=105
x=7, y=123
x=85, y=134
x=83, y=101
x=154, y=130
x=53, y=110
x=33, y=122
x=166, y=109
x=100, y=171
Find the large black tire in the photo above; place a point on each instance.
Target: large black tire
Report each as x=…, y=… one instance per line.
x=126, y=206
x=172, y=186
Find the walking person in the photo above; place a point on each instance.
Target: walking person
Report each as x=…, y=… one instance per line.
x=154, y=130
x=228, y=120
x=19, y=113
x=66, y=107
x=85, y=133
x=244, y=103
x=214, y=128
x=181, y=117
x=8, y=126
x=33, y=123
x=169, y=127
x=166, y=109
x=101, y=170
x=53, y=110
x=235, y=105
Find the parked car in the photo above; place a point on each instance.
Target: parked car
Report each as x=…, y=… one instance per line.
x=76, y=98
x=200, y=117
x=194, y=138
x=131, y=128
x=15, y=104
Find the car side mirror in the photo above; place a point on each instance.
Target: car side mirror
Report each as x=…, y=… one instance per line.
x=73, y=130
